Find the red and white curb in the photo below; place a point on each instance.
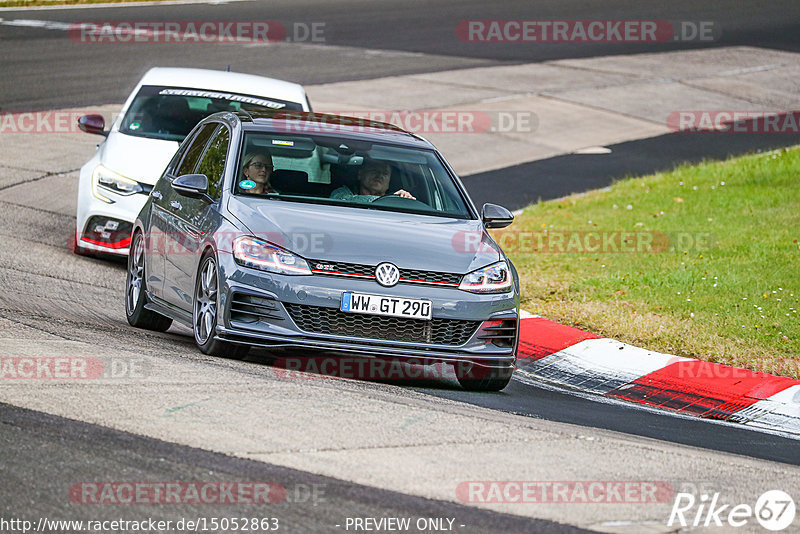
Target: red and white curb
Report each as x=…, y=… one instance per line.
x=587, y=362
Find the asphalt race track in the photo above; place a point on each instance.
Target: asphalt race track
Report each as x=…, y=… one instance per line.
x=560, y=176
x=41, y=73
x=325, y=501
x=374, y=449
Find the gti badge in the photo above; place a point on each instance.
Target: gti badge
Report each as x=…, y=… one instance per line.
x=387, y=274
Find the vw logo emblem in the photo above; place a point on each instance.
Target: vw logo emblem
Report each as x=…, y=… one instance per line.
x=387, y=274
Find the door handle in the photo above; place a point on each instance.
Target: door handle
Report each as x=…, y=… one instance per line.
x=175, y=204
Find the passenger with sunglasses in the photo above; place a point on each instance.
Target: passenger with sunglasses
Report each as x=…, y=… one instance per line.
x=257, y=167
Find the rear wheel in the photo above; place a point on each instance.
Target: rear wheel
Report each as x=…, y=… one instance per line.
x=205, y=313
x=135, y=288
x=479, y=378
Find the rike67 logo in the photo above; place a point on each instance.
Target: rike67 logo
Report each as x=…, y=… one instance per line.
x=774, y=510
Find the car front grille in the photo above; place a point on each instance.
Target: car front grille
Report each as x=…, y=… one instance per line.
x=321, y=320
x=358, y=270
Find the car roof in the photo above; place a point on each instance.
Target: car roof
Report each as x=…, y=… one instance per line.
x=218, y=80
x=299, y=122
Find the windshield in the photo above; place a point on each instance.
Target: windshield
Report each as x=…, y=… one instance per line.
x=347, y=172
x=171, y=112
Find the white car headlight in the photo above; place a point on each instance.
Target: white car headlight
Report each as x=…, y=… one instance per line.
x=105, y=179
x=495, y=278
x=259, y=254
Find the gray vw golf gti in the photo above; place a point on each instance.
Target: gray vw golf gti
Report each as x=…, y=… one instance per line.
x=327, y=233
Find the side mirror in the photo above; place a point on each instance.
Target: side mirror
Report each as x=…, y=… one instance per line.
x=93, y=124
x=192, y=186
x=495, y=216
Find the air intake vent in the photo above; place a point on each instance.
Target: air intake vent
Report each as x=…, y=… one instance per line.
x=500, y=333
x=245, y=308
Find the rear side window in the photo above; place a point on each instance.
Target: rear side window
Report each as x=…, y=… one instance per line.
x=213, y=162
x=193, y=153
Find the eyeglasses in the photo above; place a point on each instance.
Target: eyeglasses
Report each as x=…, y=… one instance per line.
x=259, y=165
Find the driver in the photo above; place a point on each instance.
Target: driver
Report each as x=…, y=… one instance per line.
x=373, y=182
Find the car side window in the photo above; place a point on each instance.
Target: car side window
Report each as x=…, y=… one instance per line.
x=213, y=162
x=193, y=153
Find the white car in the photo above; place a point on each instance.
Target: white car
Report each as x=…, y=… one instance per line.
x=163, y=108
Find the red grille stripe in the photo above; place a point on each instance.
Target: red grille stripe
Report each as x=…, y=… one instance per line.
x=342, y=274
x=413, y=281
x=371, y=276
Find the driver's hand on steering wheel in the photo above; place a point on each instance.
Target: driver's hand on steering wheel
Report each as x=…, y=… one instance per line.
x=405, y=194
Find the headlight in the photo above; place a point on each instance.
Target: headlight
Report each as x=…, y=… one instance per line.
x=108, y=180
x=259, y=254
x=495, y=278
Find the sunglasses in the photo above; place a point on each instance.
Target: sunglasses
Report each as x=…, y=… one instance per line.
x=259, y=165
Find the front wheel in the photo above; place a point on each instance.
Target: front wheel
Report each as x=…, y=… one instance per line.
x=478, y=378
x=205, y=313
x=135, y=288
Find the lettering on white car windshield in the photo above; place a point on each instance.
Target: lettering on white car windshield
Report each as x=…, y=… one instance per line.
x=223, y=96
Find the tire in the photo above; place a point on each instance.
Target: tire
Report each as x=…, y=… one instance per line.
x=204, y=313
x=479, y=378
x=135, y=292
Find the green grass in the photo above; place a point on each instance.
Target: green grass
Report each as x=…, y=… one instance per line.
x=720, y=281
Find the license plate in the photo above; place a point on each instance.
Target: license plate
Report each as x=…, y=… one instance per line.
x=383, y=305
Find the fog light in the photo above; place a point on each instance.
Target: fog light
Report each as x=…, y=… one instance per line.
x=108, y=232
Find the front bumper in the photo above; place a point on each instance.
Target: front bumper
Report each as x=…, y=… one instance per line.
x=369, y=348
x=124, y=209
x=261, y=309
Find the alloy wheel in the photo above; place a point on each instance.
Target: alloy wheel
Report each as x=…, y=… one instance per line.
x=205, y=305
x=135, y=273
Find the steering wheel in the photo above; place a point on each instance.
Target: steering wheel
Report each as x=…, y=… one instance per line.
x=398, y=201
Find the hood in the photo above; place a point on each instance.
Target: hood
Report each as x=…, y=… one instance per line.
x=138, y=158
x=369, y=236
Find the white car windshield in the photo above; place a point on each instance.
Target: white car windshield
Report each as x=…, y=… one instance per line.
x=171, y=112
